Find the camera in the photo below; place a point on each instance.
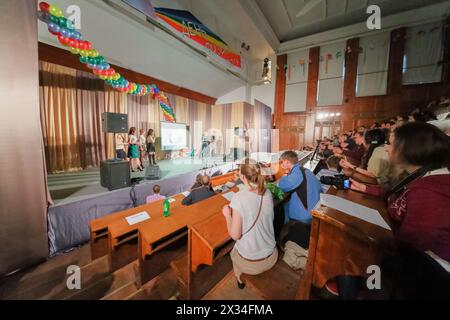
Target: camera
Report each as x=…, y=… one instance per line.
x=340, y=181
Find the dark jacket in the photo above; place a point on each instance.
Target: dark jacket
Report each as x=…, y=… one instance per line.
x=198, y=194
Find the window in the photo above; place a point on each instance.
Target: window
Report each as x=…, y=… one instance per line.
x=296, y=81
x=423, y=54
x=373, y=64
x=330, y=89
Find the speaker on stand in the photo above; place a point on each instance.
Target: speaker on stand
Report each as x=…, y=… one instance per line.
x=115, y=173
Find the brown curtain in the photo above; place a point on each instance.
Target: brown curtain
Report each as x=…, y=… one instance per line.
x=71, y=104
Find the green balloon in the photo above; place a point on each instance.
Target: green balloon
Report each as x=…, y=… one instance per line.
x=63, y=22
x=54, y=19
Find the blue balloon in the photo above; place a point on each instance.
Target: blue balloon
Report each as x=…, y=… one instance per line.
x=76, y=35
x=66, y=33
x=53, y=27
x=91, y=66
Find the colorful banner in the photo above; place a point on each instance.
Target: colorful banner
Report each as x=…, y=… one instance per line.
x=63, y=29
x=188, y=26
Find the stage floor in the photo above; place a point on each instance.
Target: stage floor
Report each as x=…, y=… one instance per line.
x=74, y=186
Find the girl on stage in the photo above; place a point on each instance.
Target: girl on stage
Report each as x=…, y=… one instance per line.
x=133, y=149
x=151, y=149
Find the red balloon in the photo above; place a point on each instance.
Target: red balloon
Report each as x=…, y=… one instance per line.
x=111, y=72
x=73, y=43
x=104, y=72
x=97, y=72
x=54, y=33
x=44, y=6
x=63, y=40
x=88, y=45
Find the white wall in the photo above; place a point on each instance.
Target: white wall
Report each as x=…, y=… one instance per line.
x=264, y=93
x=241, y=94
x=145, y=49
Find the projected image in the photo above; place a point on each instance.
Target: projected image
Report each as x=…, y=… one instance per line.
x=173, y=136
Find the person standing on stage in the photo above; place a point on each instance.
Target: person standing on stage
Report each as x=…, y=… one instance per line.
x=205, y=144
x=142, y=146
x=151, y=149
x=120, y=147
x=133, y=149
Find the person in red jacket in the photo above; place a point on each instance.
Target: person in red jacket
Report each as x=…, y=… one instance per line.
x=419, y=206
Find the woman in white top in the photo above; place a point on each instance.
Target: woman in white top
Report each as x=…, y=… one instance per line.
x=250, y=222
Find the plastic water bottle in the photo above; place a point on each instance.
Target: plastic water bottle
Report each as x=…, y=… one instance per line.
x=166, y=207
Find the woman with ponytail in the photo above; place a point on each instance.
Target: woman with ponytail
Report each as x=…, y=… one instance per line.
x=375, y=167
x=249, y=220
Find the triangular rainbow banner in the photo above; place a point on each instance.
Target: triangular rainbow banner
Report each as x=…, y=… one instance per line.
x=67, y=35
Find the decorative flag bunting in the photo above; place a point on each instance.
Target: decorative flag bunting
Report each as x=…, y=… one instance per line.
x=185, y=23
x=63, y=29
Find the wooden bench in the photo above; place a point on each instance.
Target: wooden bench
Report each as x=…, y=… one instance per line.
x=111, y=232
x=163, y=240
x=278, y=283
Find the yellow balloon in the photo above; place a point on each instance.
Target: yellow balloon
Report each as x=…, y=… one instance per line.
x=84, y=53
x=93, y=53
x=116, y=76
x=103, y=77
x=75, y=50
x=134, y=86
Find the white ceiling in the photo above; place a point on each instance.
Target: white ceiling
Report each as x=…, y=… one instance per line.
x=292, y=19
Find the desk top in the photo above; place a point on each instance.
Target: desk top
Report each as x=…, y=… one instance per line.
x=183, y=216
x=357, y=227
x=213, y=230
x=119, y=226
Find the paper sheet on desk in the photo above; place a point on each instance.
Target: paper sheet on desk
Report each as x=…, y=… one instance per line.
x=136, y=218
x=229, y=195
x=353, y=209
x=186, y=193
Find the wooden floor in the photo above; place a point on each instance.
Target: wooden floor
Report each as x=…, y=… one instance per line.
x=47, y=281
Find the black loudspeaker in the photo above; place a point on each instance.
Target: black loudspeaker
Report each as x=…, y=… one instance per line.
x=152, y=173
x=114, y=122
x=115, y=174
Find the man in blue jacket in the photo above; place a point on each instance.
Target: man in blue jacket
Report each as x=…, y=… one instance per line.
x=305, y=195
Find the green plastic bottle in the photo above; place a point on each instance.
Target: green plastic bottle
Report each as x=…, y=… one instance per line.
x=166, y=208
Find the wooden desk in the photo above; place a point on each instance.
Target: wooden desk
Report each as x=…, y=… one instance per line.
x=220, y=180
x=110, y=232
x=209, y=241
x=162, y=240
x=343, y=245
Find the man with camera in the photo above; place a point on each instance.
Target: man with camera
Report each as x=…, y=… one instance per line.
x=303, y=190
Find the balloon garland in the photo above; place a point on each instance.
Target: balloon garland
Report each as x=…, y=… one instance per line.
x=67, y=35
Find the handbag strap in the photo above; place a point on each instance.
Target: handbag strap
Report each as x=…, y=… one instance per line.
x=254, y=222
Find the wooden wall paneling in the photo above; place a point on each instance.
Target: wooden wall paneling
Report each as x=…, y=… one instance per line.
x=311, y=98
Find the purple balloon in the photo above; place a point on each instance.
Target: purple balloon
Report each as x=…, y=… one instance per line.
x=54, y=27
x=44, y=16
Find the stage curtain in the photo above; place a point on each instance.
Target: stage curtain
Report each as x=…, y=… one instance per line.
x=71, y=104
x=59, y=117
